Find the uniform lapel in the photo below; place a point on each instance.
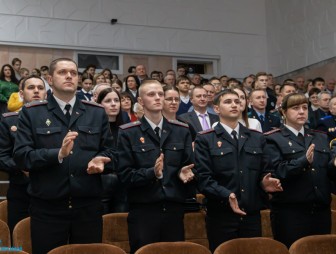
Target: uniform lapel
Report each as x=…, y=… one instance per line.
x=243, y=135
x=147, y=128
x=55, y=108
x=77, y=111
x=194, y=119
x=220, y=131
x=165, y=131
x=308, y=138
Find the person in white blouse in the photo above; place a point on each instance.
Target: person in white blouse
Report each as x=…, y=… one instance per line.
x=250, y=123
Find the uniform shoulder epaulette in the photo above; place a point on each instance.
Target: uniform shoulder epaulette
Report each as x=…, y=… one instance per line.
x=318, y=131
x=129, y=125
x=36, y=103
x=206, y=131
x=254, y=130
x=326, y=117
x=92, y=103
x=10, y=114
x=272, y=131
x=178, y=123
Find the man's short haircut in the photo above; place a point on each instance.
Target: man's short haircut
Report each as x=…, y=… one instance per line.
x=321, y=93
x=16, y=60
x=288, y=84
x=222, y=93
x=22, y=70
x=261, y=73
x=147, y=82
x=193, y=90
x=56, y=61
x=256, y=90
x=182, y=78
x=318, y=79
x=24, y=81
x=44, y=68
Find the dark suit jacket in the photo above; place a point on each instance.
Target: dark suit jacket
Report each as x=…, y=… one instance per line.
x=270, y=122
x=194, y=124
x=138, y=149
x=42, y=127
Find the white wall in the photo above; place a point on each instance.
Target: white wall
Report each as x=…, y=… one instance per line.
x=231, y=30
x=299, y=33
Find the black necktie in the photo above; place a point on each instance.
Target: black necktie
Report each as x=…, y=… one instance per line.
x=67, y=113
x=157, y=132
x=235, y=139
x=301, y=138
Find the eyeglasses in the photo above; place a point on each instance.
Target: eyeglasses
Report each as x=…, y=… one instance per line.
x=172, y=99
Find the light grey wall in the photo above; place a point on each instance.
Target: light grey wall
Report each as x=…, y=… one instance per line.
x=233, y=31
x=299, y=33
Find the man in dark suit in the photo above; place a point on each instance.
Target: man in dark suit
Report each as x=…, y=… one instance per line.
x=64, y=144
x=324, y=98
x=258, y=111
x=155, y=163
x=233, y=173
x=198, y=119
x=33, y=89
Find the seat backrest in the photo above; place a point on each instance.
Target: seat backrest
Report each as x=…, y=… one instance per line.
x=314, y=244
x=22, y=236
x=4, y=234
x=333, y=201
x=195, y=229
x=3, y=211
x=173, y=247
x=333, y=222
x=99, y=248
x=115, y=230
x=256, y=245
x=266, y=228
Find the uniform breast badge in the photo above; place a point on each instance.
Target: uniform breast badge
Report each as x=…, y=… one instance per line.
x=48, y=122
x=219, y=143
x=142, y=140
x=290, y=143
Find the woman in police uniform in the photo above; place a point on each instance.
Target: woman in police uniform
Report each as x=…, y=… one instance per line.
x=302, y=161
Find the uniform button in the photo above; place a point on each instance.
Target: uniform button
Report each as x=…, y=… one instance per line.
x=71, y=152
x=293, y=151
x=315, y=187
x=174, y=148
x=241, y=171
x=70, y=206
x=48, y=132
x=254, y=152
x=160, y=149
x=313, y=169
x=143, y=149
x=304, y=169
x=222, y=153
x=241, y=218
x=242, y=190
x=72, y=175
x=89, y=131
x=164, y=209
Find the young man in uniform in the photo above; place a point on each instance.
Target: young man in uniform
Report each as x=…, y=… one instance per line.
x=155, y=162
x=33, y=89
x=64, y=144
x=233, y=174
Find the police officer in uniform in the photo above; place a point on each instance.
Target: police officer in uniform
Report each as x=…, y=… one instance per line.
x=33, y=89
x=302, y=161
x=64, y=144
x=155, y=162
x=233, y=173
